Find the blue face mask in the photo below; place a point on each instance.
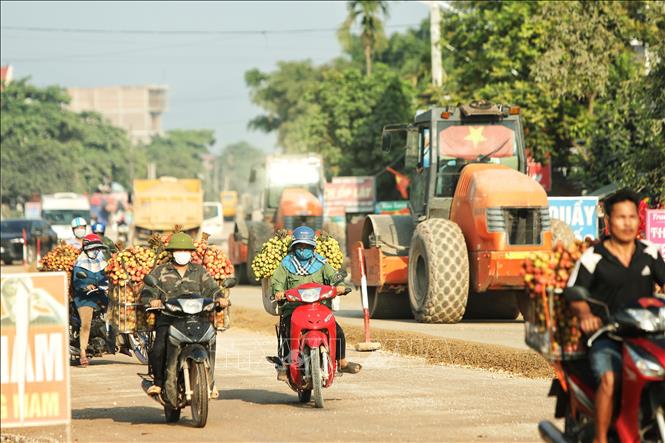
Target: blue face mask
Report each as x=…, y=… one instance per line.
x=304, y=254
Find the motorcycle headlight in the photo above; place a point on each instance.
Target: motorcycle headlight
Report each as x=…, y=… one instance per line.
x=645, y=362
x=309, y=295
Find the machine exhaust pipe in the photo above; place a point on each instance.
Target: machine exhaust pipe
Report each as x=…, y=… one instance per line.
x=550, y=433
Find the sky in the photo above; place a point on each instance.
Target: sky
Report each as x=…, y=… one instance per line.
x=204, y=72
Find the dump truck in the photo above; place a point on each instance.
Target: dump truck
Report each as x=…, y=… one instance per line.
x=229, y=201
x=474, y=217
x=162, y=203
x=291, y=195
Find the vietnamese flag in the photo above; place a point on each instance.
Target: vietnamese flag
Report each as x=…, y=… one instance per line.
x=401, y=182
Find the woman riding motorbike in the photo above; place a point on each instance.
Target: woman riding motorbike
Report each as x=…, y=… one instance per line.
x=92, y=262
x=302, y=265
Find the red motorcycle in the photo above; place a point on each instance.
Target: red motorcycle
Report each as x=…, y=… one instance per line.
x=639, y=414
x=312, y=362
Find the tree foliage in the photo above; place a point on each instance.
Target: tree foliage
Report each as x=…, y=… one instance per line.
x=237, y=160
x=369, y=13
x=46, y=148
x=178, y=153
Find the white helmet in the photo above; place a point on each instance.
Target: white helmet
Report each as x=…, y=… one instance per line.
x=79, y=221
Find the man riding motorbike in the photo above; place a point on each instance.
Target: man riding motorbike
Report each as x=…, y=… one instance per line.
x=617, y=271
x=302, y=265
x=79, y=228
x=178, y=278
x=91, y=261
x=100, y=229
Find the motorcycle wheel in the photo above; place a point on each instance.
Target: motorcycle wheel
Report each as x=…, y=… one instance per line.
x=317, y=388
x=305, y=396
x=171, y=414
x=198, y=381
x=139, y=342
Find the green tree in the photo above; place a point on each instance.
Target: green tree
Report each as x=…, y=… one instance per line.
x=179, y=152
x=237, y=160
x=369, y=13
x=46, y=148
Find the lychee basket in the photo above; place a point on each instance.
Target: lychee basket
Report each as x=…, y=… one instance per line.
x=127, y=312
x=541, y=330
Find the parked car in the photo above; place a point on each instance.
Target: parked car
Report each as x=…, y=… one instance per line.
x=11, y=239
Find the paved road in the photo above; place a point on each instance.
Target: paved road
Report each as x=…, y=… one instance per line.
x=505, y=333
x=392, y=399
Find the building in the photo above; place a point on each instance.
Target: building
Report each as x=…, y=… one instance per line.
x=137, y=109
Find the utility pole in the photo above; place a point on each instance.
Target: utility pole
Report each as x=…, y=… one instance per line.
x=435, y=40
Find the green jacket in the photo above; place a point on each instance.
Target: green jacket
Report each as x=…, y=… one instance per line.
x=195, y=281
x=283, y=280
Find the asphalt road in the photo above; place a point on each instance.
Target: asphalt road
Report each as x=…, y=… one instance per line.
x=391, y=399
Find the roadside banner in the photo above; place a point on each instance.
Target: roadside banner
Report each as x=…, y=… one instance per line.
x=656, y=228
x=355, y=194
x=580, y=213
x=34, y=350
x=393, y=207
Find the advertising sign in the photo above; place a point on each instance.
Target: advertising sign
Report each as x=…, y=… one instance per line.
x=580, y=213
x=394, y=207
x=656, y=228
x=355, y=194
x=34, y=350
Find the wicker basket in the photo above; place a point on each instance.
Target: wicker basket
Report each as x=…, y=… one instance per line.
x=128, y=313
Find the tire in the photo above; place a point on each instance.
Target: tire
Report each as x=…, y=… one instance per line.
x=438, y=272
x=198, y=380
x=562, y=232
x=171, y=414
x=7, y=261
x=140, y=346
x=525, y=305
x=305, y=396
x=492, y=305
x=317, y=385
x=388, y=305
x=258, y=234
x=240, y=272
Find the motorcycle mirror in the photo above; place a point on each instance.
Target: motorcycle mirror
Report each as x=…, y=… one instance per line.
x=81, y=274
x=340, y=276
x=150, y=280
x=230, y=282
x=576, y=293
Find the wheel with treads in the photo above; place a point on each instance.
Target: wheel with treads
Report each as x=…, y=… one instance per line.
x=438, y=272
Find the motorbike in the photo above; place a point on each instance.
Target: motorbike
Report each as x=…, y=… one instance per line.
x=190, y=355
x=102, y=335
x=639, y=412
x=312, y=362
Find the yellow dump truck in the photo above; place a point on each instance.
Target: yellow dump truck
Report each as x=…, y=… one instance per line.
x=229, y=201
x=161, y=204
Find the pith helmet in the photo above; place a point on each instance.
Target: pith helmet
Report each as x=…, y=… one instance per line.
x=180, y=241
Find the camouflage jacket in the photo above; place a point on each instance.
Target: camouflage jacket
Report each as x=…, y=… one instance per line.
x=196, y=281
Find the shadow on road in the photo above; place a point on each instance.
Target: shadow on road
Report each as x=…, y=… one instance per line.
x=135, y=415
x=258, y=396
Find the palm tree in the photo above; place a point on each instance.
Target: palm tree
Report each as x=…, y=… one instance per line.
x=369, y=12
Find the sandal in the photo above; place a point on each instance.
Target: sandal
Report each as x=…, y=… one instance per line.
x=83, y=362
x=351, y=368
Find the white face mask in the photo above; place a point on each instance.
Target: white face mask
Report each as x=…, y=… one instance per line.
x=79, y=232
x=182, y=257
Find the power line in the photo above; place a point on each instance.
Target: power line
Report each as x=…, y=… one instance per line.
x=181, y=31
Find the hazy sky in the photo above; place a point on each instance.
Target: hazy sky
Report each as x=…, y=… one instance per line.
x=204, y=72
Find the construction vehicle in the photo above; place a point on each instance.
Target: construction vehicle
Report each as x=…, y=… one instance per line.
x=291, y=194
x=474, y=217
x=229, y=201
x=163, y=203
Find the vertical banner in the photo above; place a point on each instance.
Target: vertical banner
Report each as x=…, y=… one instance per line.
x=656, y=228
x=580, y=213
x=34, y=350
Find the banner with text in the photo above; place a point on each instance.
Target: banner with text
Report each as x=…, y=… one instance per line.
x=34, y=350
x=580, y=213
x=656, y=228
x=355, y=194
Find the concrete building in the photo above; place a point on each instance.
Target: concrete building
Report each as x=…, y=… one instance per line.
x=137, y=109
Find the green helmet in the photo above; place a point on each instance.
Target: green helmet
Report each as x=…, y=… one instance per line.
x=179, y=241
